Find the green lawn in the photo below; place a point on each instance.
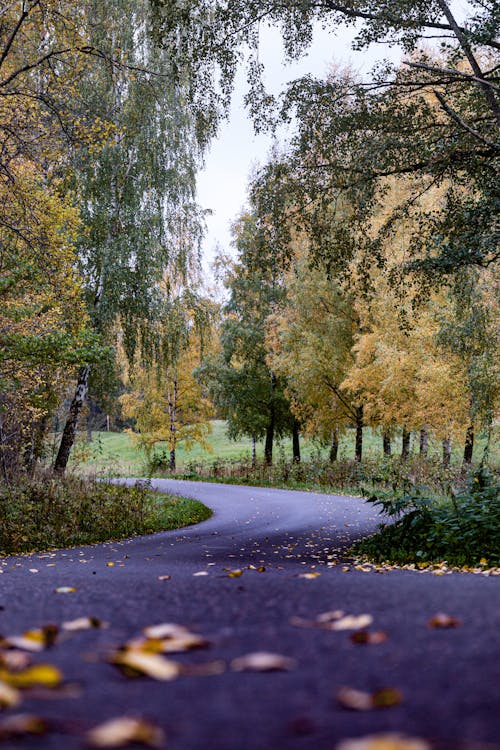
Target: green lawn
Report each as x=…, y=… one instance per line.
x=117, y=454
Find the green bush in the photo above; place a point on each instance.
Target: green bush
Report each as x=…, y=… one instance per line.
x=45, y=512
x=461, y=529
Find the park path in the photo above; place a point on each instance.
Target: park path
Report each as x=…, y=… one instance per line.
x=447, y=680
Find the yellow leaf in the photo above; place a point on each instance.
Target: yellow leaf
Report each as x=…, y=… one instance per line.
x=65, y=590
x=34, y=640
x=123, y=731
x=39, y=674
x=309, y=575
x=262, y=661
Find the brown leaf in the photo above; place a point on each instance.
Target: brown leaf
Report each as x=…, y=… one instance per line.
x=125, y=730
x=164, y=578
x=441, y=620
x=262, y=661
x=83, y=623
x=21, y=724
x=384, y=742
x=358, y=700
x=365, y=636
x=133, y=661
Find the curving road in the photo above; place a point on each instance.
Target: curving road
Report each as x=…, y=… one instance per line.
x=449, y=679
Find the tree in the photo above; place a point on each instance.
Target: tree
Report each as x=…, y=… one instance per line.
x=435, y=117
x=166, y=401
x=246, y=391
x=137, y=191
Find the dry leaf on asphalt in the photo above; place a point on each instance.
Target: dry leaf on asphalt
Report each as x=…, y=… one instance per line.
x=9, y=696
x=262, y=661
x=373, y=638
x=165, y=630
x=359, y=700
x=133, y=661
x=125, y=730
x=65, y=590
x=33, y=640
x=234, y=573
x=352, y=622
x=45, y=675
x=83, y=623
x=164, y=578
x=14, y=659
x=335, y=620
x=441, y=620
x=21, y=724
x=384, y=742
x=309, y=576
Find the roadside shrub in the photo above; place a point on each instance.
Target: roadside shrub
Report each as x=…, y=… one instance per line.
x=462, y=529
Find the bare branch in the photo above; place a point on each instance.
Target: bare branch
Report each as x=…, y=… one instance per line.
x=455, y=116
x=457, y=74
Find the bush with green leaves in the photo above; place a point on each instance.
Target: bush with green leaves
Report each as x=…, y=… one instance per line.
x=462, y=529
x=47, y=511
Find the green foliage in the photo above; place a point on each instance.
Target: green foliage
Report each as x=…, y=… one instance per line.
x=40, y=513
x=461, y=529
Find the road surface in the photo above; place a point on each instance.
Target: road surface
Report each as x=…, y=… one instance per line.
x=447, y=679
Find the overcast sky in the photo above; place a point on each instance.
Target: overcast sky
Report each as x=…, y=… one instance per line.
x=222, y=186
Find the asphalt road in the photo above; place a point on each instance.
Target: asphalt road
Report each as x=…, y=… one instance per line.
x=448, y=679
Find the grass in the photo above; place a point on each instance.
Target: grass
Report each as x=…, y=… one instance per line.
x=47, y=512
x=117, y=454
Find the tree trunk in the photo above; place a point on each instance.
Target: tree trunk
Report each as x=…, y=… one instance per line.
x=334, y=446
x=268, y=446
x=359, y=433
x=424, y=442
x=71, y=426
x=405, y=444
x=172, y=414
x=35, y=449
x=254, y=451
x=386, y=442
x=171, y=463
x=469, y=445
x=446, y=451
x=295, y=442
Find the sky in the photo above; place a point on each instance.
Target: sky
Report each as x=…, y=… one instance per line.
x=222, y=185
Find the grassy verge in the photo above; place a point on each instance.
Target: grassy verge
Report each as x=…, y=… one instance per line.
x=44, y=513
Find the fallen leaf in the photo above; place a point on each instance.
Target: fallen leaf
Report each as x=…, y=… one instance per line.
x=365, y=636
x=164, y=578
x=165, y=630
x=110, y=565
x=235, y=573
x=443, y=621
x=329, y=616
x=83, y=623
x=261, y=569
x=39, y=674
x=351, y=622
x=359, y=700
x=123, y=731
x=65, y=590
x=309, y=575
x=34, y=640
x=384, y=742
x=14, y=659
x=20, y=724
x=9, y=696
x=201, y=573
x=151, y=665
x=262, y=661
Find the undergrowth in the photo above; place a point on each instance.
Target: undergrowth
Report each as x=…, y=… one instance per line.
x=463, y=528
x=47, y=512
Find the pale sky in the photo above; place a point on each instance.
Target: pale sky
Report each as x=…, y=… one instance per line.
x=222, y=186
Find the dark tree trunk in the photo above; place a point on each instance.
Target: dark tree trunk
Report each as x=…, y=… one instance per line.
x=446, y=451
x=71, y=426
x=268, y=446
x=295, y=442
x=254, y=451
x=171, y=463
x=359, y=433
x=405, y=444
x=334, y=446
x=34, y=451
x=469, y=445
x=424, y=442
x=386, y=442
